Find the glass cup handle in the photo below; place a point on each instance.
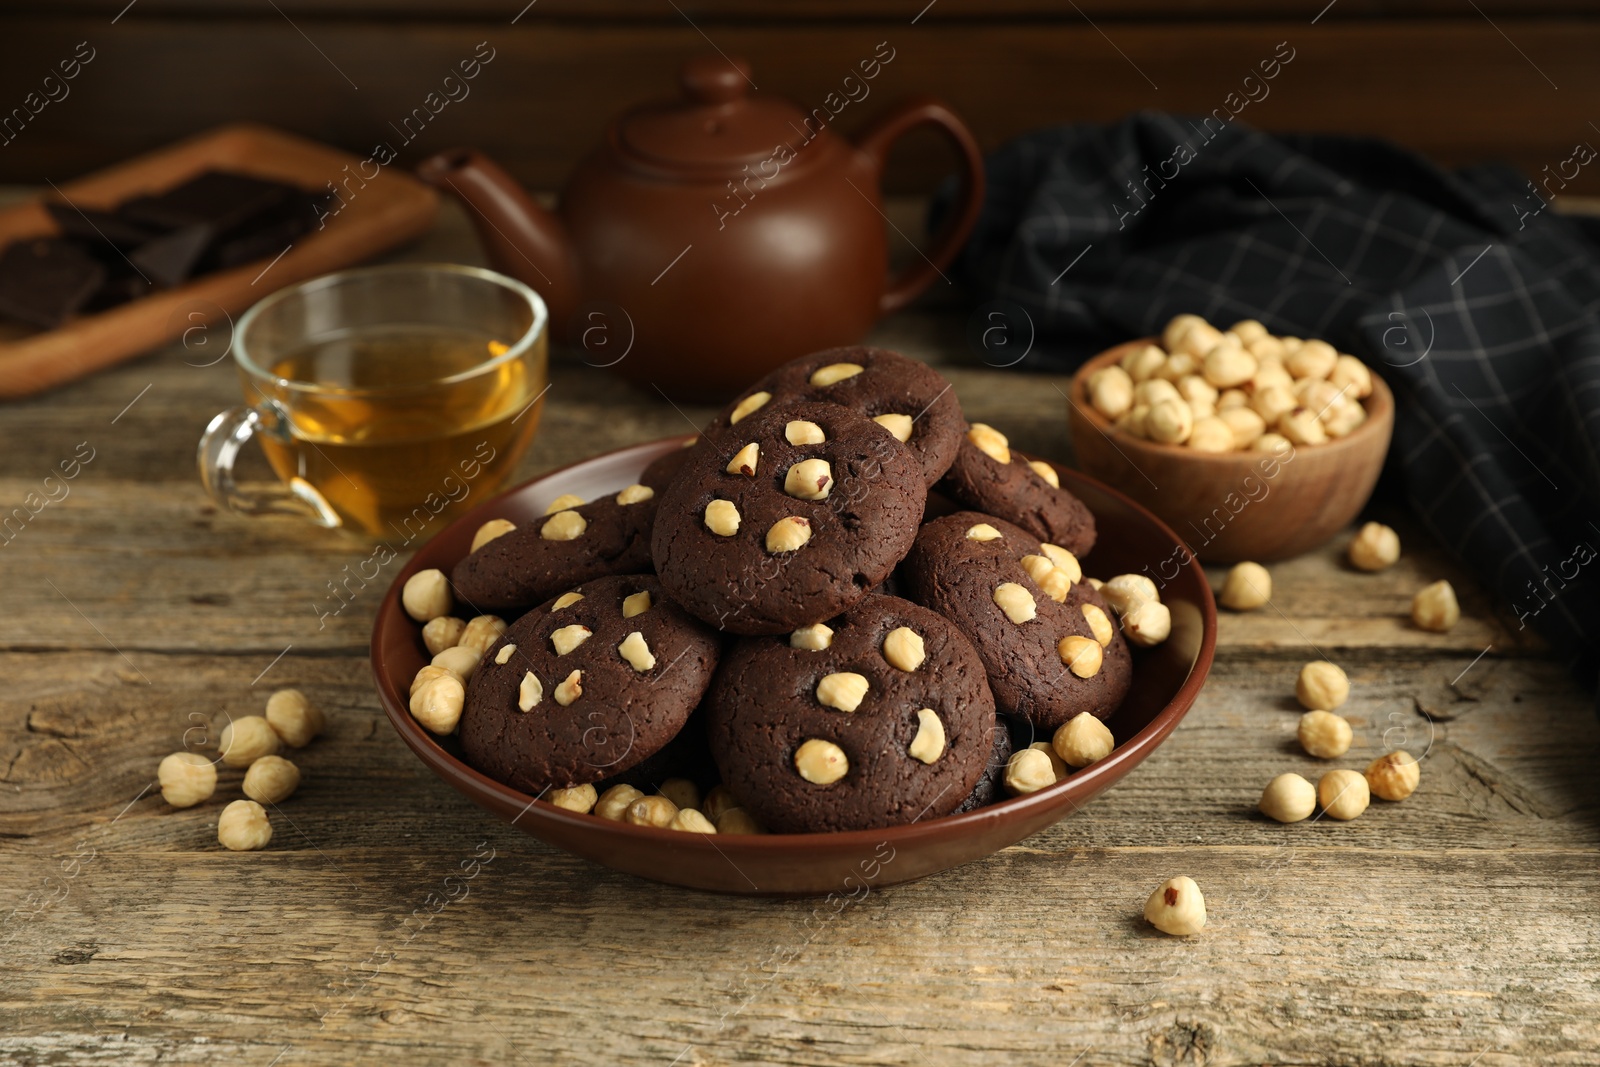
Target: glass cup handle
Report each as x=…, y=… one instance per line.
x=219, y=448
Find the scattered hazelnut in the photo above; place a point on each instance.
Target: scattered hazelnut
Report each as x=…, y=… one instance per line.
x=1288, y=798
x=1322, y=686
x=1210, y=434
x=636, y=604
x=834, y=373
x=580, y=799
x=613, y=804
x=293, y=717
x=738, y=821
x=1148, y=624
x=1045, y=472
x=529, y=692
x=651, y=811
x=563, y=502
x=1028, y=771
x=1126, y=591
x=243, y=826
x=748, y=405
x=1082, y=740
x=719, y=800
x=903, y=648
x=481, y=633
x=566, y=600
x=990, y=441
x=186, y=779
x=1016, y=602
x=1099, y=625
x=1082, y=655
x=1247, y=587
x=567, y=638
x=426, y=595
x=1324, y=734
x=899, y=426
x=681, y=791
x=460, y=661
x=635, y=494
x=1343, y=794
x=810, y=479
x=722, y=518
x=821, y=762
x=442, y=633
x=271, y=779
x=489, y=531
x=637, y=652
x=1110, y=391
x=813, y=638
x=437, y=703
x=428, y=674
x=563, y=526
x=982, y=532
x=801, y=432
x=1435, y=608
x=1313, y=359
x=928, y=745
x=1393, y=776
x=1374, y=547
x=247, y=739
x=745, y=460
x=788, y=534
x=569, y=688
x=1176, y=908
x=844, y=691
x=691, y=821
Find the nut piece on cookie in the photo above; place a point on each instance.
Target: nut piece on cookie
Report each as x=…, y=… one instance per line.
x=530, y=692
x=928, y=745
x=1098, y=624
x=788, y=534
x=636, y=604
x=569, y=689
x=834, y=373
x=563, y=526
x=749, y=405
x=990, y=441
x=489, y=531
x=635, y=494
x=821, y=762
x=904, y=649
x=803, y=432
x=897, y=425
x=566, y=600
x=568, y=638
x=637, y=652
x=813, y=638
x=1082, y=655
x=722, y=518
x=1016, y=602
x=744, y=461
x=563, y=502
x=810, y=479
x=844, y=690
x=983, y=532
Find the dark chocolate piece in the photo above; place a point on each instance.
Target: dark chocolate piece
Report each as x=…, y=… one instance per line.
x=99, y=228
x=219, y=199
x=171, y=260
x=47, y=280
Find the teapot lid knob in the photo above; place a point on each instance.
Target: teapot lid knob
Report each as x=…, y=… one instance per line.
x=714, y=80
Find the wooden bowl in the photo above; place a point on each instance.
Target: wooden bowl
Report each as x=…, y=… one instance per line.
x=1232, y=506
x=1166, y=681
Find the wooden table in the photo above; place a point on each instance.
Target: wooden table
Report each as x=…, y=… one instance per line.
x=1455, y=928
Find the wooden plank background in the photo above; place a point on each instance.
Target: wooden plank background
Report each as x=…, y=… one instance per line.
x=1459, y=81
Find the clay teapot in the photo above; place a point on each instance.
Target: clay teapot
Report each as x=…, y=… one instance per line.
x=707, y=240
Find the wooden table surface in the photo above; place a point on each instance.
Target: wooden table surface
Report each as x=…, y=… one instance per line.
x=1456, y=928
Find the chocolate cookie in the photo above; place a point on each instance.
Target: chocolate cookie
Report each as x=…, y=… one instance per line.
x=991, y=785
x=1048, y=640
x=877, y=718
x=659, y=474
x=986, y=476
x=790, y=517
x=908, y=398
x=586, y=686
x=532, y=563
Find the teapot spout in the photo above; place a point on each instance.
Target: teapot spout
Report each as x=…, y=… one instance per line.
x=521, y=238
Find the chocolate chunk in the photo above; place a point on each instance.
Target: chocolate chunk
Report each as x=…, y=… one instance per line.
x=219, y=199
x=99, y=227
x=171, y=260
x=46, y=281
x=268, y=235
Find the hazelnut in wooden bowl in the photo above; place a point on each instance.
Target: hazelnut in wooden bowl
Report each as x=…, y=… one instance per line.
x=1250, y=446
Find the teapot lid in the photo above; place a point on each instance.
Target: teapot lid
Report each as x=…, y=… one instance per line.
x=716, y=127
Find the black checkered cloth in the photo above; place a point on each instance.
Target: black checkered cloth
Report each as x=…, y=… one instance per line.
x=1475, y=301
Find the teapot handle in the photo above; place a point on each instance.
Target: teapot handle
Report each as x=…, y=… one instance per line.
x=877, y=141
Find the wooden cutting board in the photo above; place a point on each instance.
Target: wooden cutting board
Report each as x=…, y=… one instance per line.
x=378, y=213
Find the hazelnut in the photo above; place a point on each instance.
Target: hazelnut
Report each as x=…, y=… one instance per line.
x=1169, y=422
x=1247, y=587
x=1313, y=359
x=691, y=821
x=442, y=633
x=636, y=604
x=788, y=534
x=821, y=762
x=247, y=739
x=1146, y=363
x=1374, y=547
x=481, y=633
x=1194, y=389
x=722, y=518
x=1229, y=399
x=1248, y=330
x=834, y=373
x=563, y=526
x=567, y=638
x=1064, y=561
x=186, y=779
x=437, y=703
x=745, y=460
x=1302, y=427
x=489, y=531
x=1099, y=625
x=1273, y=403
x=1322, y=686
x=1154, y=391
x=428, y=674
x=1201, y=337
x=1133, y=421
x=613, y=804
x=1267, y=348
x=982, y=532
x=460, y=661
x=637, y=652
x=899, y=426
x=903, y=648
x=844, y=691
x=1245, y=424
x=990, y=441
x=928, y=745
x=271, y=779
x=1342, y=419
x=635, y=494
x=1343, y=794
x=1393, y=776
x=426, y=595
x=681, y=791
x=1176, y=328
x=1057, y=767
x=569, y=688
x=1126, y=591
x=1179, y=365
x=505, y=653
x=738, y=821
x=810, y=479
x=1082, y=655
x=1082, y=740
x=813, y=638
x=748, y=405
x=1275, y=443
x=1050, y=578
x=1110, y=391
x=801, y=432
x=1324, y=735
x=1320, y=396
x=243, y=827
x=1435, y=608
x=1210, y=434
x=1351, y=375
x=293, y=717
x=1148, y=623
x=1227, y=365
x=1028, y=771
x=1176, y=908
x=1016, y=602
x=1270, y=372
x=1288, y=798
x=566, y=600
x=563, y=502
x=529, y=692
x=719, y=800
x=1046, y=472
x=651, y=811
x=580, y=799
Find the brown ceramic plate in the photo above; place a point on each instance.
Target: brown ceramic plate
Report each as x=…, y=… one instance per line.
x=1166, y=681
